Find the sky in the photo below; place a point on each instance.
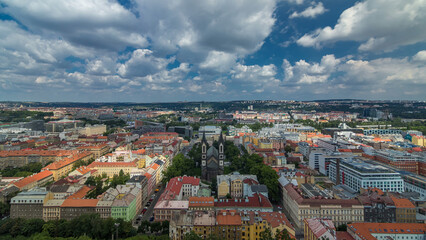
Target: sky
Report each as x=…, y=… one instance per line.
x=211, y=50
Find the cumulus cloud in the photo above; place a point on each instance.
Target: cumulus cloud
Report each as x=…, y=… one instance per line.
x=143, y=63
x=420, y=56
x=362, y=77
x=310, y=12
x=93, y=23
x=376, y=24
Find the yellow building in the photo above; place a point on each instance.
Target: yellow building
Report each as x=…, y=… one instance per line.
x=233, y=184
x=97, y=150
x=52, y=209
x=62, y=167
x=113, y=168
x=418, y=140
x=405, y=210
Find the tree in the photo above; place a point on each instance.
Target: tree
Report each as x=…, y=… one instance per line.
x=266, y=234
x=342, y=227
x=192, y=236
x=283, y=235
x=288, y=149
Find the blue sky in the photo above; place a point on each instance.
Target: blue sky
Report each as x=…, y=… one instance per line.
x=213, y=50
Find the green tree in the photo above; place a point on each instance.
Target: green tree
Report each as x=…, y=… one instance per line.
x=192, y=236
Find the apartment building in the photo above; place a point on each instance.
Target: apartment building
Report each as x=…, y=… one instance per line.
x=340, y=211
x=62, y=167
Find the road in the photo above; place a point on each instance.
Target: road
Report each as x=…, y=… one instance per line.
x=150, y=210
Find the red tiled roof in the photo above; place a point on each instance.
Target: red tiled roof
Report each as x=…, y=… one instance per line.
x=258, y=200
x=80, y=193
x=365, y=230
x=34, y=178
x=201, y=201
x=112, y=164
x=66, y=161
x=228, y=217
x=80, y=202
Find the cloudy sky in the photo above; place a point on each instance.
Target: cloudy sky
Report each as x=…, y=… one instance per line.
x=183, y=50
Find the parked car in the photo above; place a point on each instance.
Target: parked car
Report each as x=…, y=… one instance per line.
x=151, y=219
x=144, y=210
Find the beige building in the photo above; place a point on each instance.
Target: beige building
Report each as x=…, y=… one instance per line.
x=62, y=167
x=340, y=211
x=52, y=209
x=234, y=185
x=92, y=130
x=113, y=168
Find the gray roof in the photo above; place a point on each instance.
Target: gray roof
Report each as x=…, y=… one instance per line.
x=59, y=188
x=234, y=176
x=283, y=181
x=259, y=188
x=212, y=152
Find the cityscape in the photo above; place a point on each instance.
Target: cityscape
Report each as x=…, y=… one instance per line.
x=212, y=120
x=213, y=170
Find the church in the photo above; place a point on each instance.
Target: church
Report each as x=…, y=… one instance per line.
x=212, y=159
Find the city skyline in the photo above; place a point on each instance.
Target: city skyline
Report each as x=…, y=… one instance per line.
x=146, y=51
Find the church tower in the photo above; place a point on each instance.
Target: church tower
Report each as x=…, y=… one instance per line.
x=203, y=151
x=221, y=151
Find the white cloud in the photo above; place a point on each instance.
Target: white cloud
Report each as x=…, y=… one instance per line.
x=420, y=56
x=143, y=63
x=381, y=76
x=377, y=24
x=218, y=61
x=94, y=23
x=311, y=11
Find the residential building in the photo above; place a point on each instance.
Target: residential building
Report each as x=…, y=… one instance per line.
x=73, y=208
x=340, y=211
x=201, y=203
x=97, y=150
x=257, y=202
x=377, y=207
x=396, y=231
x=318, y=229
x=88, y=130
x=29, y=204
x=356, y=173
x=233, y=184
x=52, y=209
x=20, y=158
x=142, y=183
x=126, y=201
x=35, y=180
x=113, y=168
x=405, y=210
x=61, y=168
x=228, y=224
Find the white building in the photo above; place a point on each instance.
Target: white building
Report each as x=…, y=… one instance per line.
x=314, y=157
x=356, y=174
x=324, y=160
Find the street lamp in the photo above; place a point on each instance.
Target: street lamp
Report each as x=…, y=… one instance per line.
x=116, y=230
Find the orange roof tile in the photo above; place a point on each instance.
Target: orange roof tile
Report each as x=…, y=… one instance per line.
x=80, y=193
x=66, y=161
x=112, y=164
x=228, y=217
x=402, y=203
x=201, y=201
x=80, y=203
x=34, y=178
x=365, y=230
